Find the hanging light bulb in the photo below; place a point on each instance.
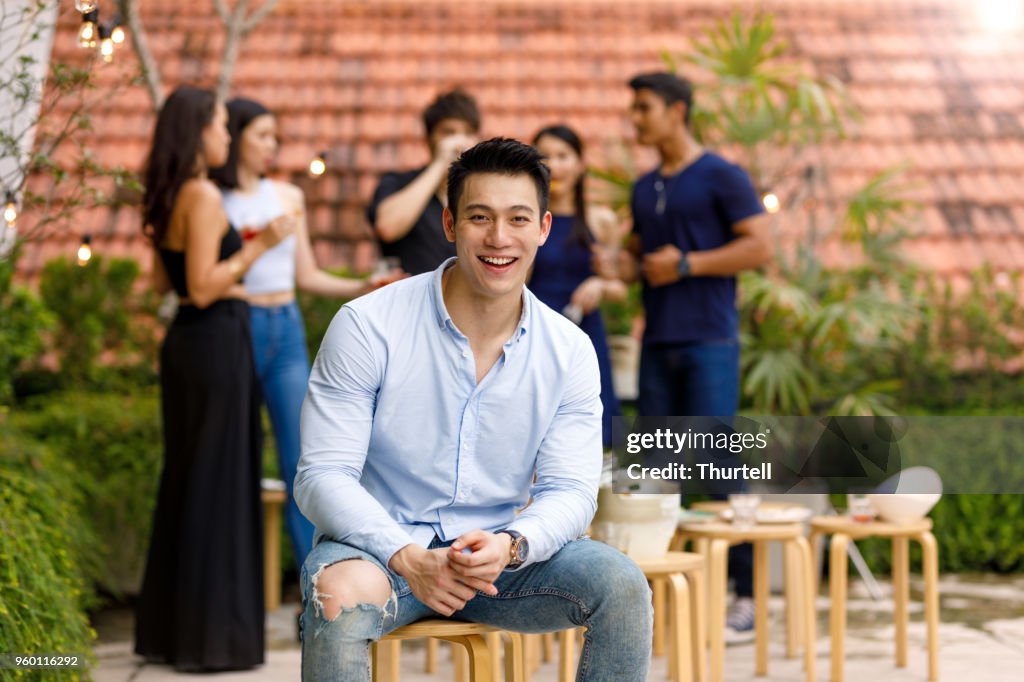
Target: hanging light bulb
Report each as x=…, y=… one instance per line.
x=10, y=208
x=85, y=250
x=771, y=202
x=117, y=35
x=318, y=166
x=106, y=44
x=87, y=33
x=86, y=6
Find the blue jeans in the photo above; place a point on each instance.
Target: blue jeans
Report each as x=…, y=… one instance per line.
x=282, y=363
x=586, y=584
x=697, y=380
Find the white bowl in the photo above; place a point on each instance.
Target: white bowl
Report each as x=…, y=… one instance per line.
x=903, y=507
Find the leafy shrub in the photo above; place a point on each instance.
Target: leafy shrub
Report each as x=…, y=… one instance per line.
x=46, y=555
x=114, y=444
x=103, y=326
x=22, y=319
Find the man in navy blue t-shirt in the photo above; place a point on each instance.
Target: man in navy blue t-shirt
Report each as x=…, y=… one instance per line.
x=697, y=222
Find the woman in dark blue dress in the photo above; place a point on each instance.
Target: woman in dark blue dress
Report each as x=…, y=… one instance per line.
x=563, y=276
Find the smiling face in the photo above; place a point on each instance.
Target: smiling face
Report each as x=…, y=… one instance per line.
x=565, y=164
x=258, y=144
x=497, y=229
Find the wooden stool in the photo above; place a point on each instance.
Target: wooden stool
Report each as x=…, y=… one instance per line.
x=273, y=499
x=680, y=577
x=843, y=530
x=480, y=642
x=790, y=560
x=714, y=540
x=676, y=578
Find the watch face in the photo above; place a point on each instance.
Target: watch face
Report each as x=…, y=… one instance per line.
x=522, y=549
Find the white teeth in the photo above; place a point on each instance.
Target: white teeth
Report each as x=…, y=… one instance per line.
x=496, y=261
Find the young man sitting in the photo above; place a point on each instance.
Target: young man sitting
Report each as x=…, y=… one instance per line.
x=432, y=405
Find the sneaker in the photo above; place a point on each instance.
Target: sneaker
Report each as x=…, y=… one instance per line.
x=739, y=623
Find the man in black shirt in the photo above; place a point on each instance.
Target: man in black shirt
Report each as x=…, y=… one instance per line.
x=406, y=208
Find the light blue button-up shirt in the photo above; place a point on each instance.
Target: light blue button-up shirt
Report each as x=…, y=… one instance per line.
x=400, y=443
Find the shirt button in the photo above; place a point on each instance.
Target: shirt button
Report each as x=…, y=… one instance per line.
x=465, y=353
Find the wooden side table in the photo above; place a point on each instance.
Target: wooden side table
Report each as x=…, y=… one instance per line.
x=715, y=539
x=843, y=530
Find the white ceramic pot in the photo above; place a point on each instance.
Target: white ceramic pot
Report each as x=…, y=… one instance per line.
x=639, y=525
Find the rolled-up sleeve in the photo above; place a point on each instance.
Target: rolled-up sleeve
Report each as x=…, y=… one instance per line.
x=337, y=419
x=568, y=464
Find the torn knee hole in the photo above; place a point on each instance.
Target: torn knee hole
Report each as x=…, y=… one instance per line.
x=338, y=594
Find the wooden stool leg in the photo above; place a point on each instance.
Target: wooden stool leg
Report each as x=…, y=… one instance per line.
x=815, y=542
x=804, y=559
x=531, y=653
x=699, y=630
x=514, y=663
x=386, y=660
x=717, y=569
x=547, y=650
x=567, y=655
x=900, y=595
x=432, y=649
x=680, y=641
x=930, y=568
x=460, y=664
x=791, y=580
x=703, y=547
x=837, y=592
x=479, y=657
x=658, y=598
x=761, y=607
x=495, y=647
x=271, y=555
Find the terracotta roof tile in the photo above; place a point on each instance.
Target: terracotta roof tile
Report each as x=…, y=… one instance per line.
x=351, y=77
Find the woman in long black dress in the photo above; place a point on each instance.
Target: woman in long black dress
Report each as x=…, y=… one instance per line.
x=201, y=607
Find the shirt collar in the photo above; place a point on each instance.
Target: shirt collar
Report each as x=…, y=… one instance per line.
x=441, y=312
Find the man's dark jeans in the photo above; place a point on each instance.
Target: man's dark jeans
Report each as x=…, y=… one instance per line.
x=699, y=379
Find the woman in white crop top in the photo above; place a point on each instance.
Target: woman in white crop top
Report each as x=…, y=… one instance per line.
x=251, y=201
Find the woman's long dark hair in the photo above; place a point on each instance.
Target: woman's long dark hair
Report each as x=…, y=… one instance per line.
x=580, y=229
x=177, y=140
x=241, y=112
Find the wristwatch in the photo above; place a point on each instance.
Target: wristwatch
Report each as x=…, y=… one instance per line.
x=519, y=550
x=683, y=269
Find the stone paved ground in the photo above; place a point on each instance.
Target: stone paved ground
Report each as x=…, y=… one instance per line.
x=981, y=636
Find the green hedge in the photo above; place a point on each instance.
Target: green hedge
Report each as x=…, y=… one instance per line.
x=975, y=533
x=47, y=553
x=114, y=444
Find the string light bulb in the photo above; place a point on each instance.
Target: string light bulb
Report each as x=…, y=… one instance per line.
x=106, y=44
x=771, y=202
x=86, y=6
x=318, y=166
x=10, y=208
x=87, y=33
x=85, y=250
x=117, y=35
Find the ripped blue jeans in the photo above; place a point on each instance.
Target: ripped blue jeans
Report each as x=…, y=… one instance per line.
x=586, y=584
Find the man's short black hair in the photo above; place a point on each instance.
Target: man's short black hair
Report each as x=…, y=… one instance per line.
x=501, y=156
x=668, y=86
x=457, y=104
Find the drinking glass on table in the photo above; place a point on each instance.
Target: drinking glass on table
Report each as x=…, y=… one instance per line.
x=744, y=509
x=860, y=509
x=387, y=270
